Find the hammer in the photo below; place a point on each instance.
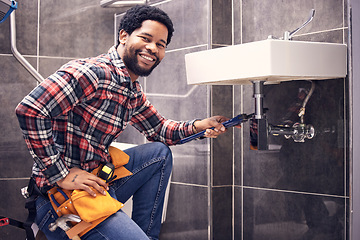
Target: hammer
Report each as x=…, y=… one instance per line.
x=62, y=222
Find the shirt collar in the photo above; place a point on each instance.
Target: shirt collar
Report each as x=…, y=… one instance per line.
x=115, y=58
x=118, y=63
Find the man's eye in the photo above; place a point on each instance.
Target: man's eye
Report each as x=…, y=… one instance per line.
x=144, y=38
x=160, y=45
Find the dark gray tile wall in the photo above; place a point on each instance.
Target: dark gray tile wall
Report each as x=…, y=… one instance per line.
x=283, y=215
x=187, y=215
x=75, y=29
x=223, y=212
x=260, y=19
x=166, y=88
x=15, y=160
x=26, y=29
x=298, y=192
x=222, y=164
x=221, y=22
x=223, y=148
x=59, y=31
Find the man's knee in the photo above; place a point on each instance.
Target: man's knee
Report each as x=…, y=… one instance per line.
x=165, y=152
x=167, y=156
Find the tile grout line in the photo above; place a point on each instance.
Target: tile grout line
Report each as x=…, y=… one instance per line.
x=186, y=48
x=242, y=137
x=322, y=31
x=38, y=39
x=233, y=131
x=296, y=192
x=345, y=126
x=14, y=179
x=165, y=1
x=189, y=184
x=209, y=107
x=115, y=31
x=6, y=55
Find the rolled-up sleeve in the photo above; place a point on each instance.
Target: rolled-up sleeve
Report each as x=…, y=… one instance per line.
x=157, y=128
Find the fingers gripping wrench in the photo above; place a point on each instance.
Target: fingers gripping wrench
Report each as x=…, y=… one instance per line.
x=230, y=123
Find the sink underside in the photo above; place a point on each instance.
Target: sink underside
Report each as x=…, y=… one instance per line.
x=269, y=60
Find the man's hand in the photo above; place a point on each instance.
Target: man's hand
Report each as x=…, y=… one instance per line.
x=80, y=179
x=208, y=123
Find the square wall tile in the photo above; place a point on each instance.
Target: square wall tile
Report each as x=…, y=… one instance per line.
x=15, y=163
x=191, y=22
x=12, y=206
x=15, y=160
x=238, y=217
x=221, y=22
x=187, y=213
x=222, y=166
x=191, y=163
x=169, y=92
x=222, y=213
x=282, y=216
x=237, y=28
x=48, y=66
x=169, y=77
x=238, y=135
x=75, y=28
x=26, y=19
x=192, y=105
x=261, y=18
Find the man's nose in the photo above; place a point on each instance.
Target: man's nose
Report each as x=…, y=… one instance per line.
x=152, y=47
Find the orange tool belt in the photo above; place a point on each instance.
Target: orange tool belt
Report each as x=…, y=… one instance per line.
x=91, y=210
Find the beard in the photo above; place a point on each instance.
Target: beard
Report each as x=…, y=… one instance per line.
x=132, y=64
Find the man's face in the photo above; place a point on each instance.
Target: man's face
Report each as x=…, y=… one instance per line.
x=144, y=49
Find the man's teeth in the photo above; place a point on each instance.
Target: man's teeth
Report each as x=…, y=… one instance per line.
x=147, y=58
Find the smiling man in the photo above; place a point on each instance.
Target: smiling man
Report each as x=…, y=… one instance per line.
x=71, y=118
x=144, y=49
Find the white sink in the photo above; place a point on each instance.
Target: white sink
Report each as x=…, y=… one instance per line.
x=269, y=60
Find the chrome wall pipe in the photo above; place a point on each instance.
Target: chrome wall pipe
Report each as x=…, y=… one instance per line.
x=18, y=55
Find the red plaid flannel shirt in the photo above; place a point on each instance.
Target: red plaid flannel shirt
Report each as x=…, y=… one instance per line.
x=72, y=117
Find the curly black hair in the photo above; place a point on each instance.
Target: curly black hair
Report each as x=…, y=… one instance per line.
x=134, y=17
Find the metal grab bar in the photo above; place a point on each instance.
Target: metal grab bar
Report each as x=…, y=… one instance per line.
x=18, y=55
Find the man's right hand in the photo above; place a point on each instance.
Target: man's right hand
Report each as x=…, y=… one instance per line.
x=81, y=179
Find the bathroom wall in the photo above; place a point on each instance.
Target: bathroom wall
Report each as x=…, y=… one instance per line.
x=219, y=189
x=188, y=213
x=355, y=165
x=294, y=190
x=49, y=34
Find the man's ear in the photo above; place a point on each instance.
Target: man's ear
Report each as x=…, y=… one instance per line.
x=123, y=36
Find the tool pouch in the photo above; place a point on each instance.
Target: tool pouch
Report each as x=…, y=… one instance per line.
x=91, y=210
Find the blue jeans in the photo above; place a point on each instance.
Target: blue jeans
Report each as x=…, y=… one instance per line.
x=151, y=165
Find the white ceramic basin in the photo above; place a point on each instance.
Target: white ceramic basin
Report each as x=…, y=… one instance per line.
x=269, y=60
